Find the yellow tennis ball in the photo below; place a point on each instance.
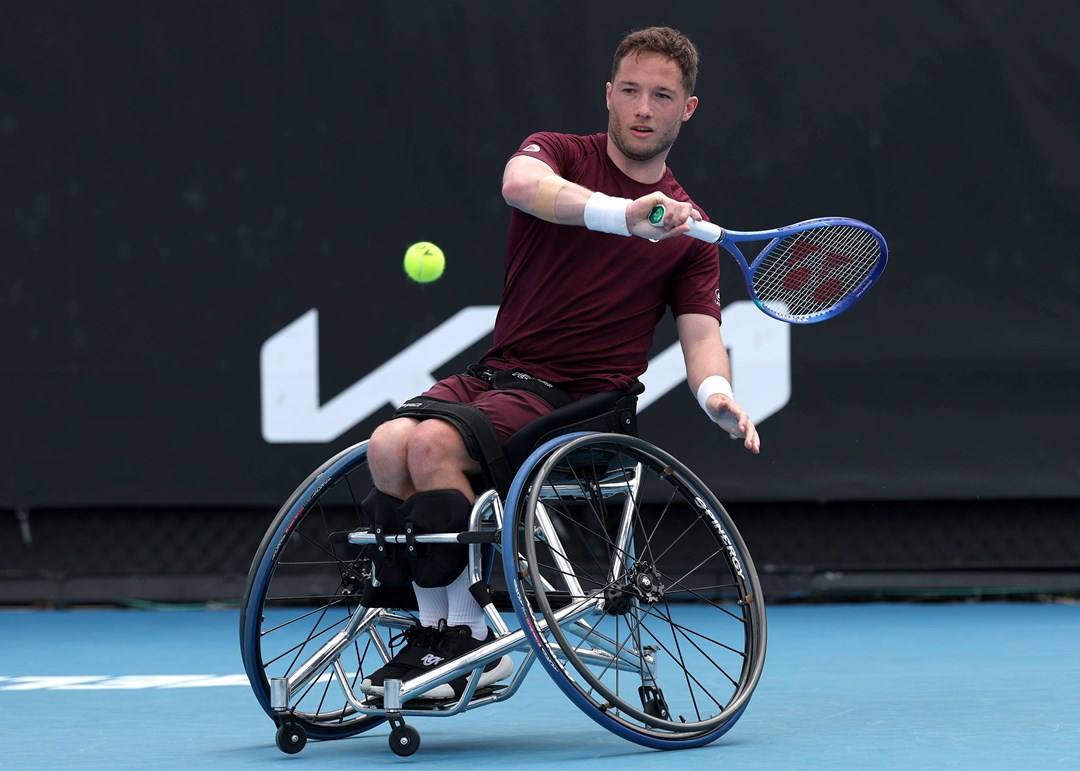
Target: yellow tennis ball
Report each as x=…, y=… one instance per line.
x=424, y=262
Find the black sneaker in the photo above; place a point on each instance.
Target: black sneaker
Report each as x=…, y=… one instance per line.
x=457, y=641
x=416, y=657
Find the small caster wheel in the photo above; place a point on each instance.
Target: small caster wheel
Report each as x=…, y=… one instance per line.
x=291, y=738
x=404, y=740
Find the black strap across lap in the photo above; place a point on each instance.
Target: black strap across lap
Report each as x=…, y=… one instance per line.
x=611, y=411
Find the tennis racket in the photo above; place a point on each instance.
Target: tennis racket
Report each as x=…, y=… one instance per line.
x=807, y=272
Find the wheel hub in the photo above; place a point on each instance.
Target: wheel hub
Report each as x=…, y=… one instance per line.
x=355, y=579
x=639, y=584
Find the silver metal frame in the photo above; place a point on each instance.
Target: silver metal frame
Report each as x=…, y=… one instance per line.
x=488, y=510
x=487, y=514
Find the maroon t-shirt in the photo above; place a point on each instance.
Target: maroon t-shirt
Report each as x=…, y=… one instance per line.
x=579, y=308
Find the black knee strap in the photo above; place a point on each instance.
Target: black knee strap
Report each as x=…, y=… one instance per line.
x=614, y=412
x=391, y=561
x=476, y=431
x=436, y=511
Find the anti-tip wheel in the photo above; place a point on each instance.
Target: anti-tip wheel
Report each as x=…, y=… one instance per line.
x=404, y=740
x=291, y=738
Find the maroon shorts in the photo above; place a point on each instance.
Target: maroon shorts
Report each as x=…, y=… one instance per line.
x=507, y=409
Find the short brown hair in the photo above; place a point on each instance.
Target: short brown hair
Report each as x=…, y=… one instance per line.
x=666, y=42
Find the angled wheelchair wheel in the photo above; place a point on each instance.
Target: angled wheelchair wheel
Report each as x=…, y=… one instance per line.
x=635, y=589
x=304, y=586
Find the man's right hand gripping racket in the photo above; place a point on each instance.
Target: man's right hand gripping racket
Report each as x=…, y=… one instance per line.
x=807, y=272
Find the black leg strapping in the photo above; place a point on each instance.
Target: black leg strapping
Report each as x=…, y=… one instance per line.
x=391, y=562
x=436, y=511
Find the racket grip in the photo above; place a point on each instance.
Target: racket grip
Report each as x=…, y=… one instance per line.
x=703, y=231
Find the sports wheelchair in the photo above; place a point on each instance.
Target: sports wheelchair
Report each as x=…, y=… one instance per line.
x=629, y=583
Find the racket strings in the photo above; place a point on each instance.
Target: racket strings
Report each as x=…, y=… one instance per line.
x=812, y=272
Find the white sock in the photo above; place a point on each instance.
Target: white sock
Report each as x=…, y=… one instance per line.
x=463, y=607
x=432, y=603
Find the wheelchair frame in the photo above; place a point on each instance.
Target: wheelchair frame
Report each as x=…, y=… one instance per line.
x=563, y=578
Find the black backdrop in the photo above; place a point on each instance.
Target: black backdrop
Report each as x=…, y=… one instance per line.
x=181, y=181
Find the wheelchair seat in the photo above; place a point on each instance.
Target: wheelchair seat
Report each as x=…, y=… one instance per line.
x=610, y=411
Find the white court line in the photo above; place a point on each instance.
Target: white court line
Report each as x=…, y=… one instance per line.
x=118, y=682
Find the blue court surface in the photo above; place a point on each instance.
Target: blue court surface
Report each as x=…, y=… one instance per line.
x=846, y=686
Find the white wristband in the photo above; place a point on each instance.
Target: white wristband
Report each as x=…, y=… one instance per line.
x=713, y=384
x=606, y=214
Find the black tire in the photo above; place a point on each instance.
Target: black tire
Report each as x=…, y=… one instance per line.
x=663, y=568
x=404, y=740
x=291, y=738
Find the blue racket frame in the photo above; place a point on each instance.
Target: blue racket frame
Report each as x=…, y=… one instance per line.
x=776, y=236
x=712, y=233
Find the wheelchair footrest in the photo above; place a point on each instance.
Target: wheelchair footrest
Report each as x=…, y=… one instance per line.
x=420, y=704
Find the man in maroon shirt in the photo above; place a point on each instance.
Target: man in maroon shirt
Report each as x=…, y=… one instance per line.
x=588, y=278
